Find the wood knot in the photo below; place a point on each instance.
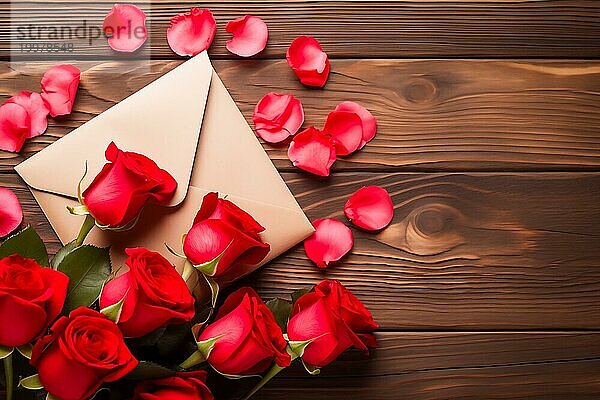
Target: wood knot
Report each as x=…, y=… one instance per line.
x=420, y=90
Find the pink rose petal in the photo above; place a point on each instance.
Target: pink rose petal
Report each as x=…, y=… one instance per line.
x=192, y=32
x=312, y=151
x=36, y=109
x=370, y=208
x=250, y=36
x=125, y=25
x=345, y=128
x=59, y=88
x=331, y=241
x=308, y=61
x=277, y=116
x=369, y=122
x=15, y=126
x=11, y=214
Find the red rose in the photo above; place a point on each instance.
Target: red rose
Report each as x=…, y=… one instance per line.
x=81, y=352
x=117, y=195
x=183, y=386
x=248, y=339
x=335, y=319
x=155, y=294
x=223, y=230
x=31, y=297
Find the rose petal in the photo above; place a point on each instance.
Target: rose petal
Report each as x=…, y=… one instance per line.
x=37, y=110
x=277, y=116
x=369, y=123
x=250, y=36
x=125, y=25
x=330, y=242
x=308, y=60
x=370, y=208
x=312, y=151
x=59, y=87
x=15, y=126
x=11, y=214
x=192, y=32
x=345, y=128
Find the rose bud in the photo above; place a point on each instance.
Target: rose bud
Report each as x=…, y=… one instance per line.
x=223, y=238
x=183, y=386
x=155, y=294
x=245, y=338
x=82, y=351
x=334, y=319
x=119, y=192
x=31, y=297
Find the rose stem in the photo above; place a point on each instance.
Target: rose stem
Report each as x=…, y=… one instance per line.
x=275, y=369
x=8, y=374
x=87, y=226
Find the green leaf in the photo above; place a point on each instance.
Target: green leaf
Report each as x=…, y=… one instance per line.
x=26, y=350
x=26, y=243
x=61, y=253
x=5, y=351
x=299, y=293
x=147, y=370
x=281, y=309
x=87, y=267
x=31, y=382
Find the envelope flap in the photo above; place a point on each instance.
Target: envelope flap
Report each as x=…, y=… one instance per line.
x=162, y=121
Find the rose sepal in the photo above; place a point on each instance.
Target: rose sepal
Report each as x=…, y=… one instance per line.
x=31, y=383
x=113, y=312
x=6, y=351
x=26, y=350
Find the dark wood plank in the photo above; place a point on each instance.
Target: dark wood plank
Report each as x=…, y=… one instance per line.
x=465, y=251
x=414, y=28
x=440, y=366
x=433, y=115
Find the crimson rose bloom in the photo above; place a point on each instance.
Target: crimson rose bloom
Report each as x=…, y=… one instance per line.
x=155, y=294
x=183, y=386
x=81, y=352
x=335, y=318
x=222, y=229
x=249, y=339
x=31, y=297
x=116, y=196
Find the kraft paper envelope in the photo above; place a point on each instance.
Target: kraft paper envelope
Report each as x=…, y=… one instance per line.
x=188, y=123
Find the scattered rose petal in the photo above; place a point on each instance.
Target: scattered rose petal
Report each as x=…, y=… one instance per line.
x=312, y=151
x=11, y=214
x=125, y=26
x=277, y=116
x=330, y=242
x=15, y=126
x=345, y=128
x=370, y=208
x=369, y=123
x=36, y=109
x=250, y=36
x=59, y=87
x=309, y=61
x=192, y=32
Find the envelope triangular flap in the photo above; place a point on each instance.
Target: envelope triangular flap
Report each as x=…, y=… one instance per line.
x=162, y=121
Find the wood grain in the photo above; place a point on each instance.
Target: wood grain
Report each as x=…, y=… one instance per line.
x=464, y=252
x=414, y=28
x=433, y=114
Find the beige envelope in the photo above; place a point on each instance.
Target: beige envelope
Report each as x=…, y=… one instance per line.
x=188, y=123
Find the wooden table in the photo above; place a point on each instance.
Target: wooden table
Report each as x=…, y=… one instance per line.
x=487, y=283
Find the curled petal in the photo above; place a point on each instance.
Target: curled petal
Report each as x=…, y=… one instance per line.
x=250, y=36
x=330, y=242
x=370, y=207
x=312, y=151
x=277, y=116
x=11, y=214
x=308, y=61
x=125, y=26
x=345, y=128
x=59, y=87
x=37, y=110
x=15, y=126
x=192, y=32
x=369, y=123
